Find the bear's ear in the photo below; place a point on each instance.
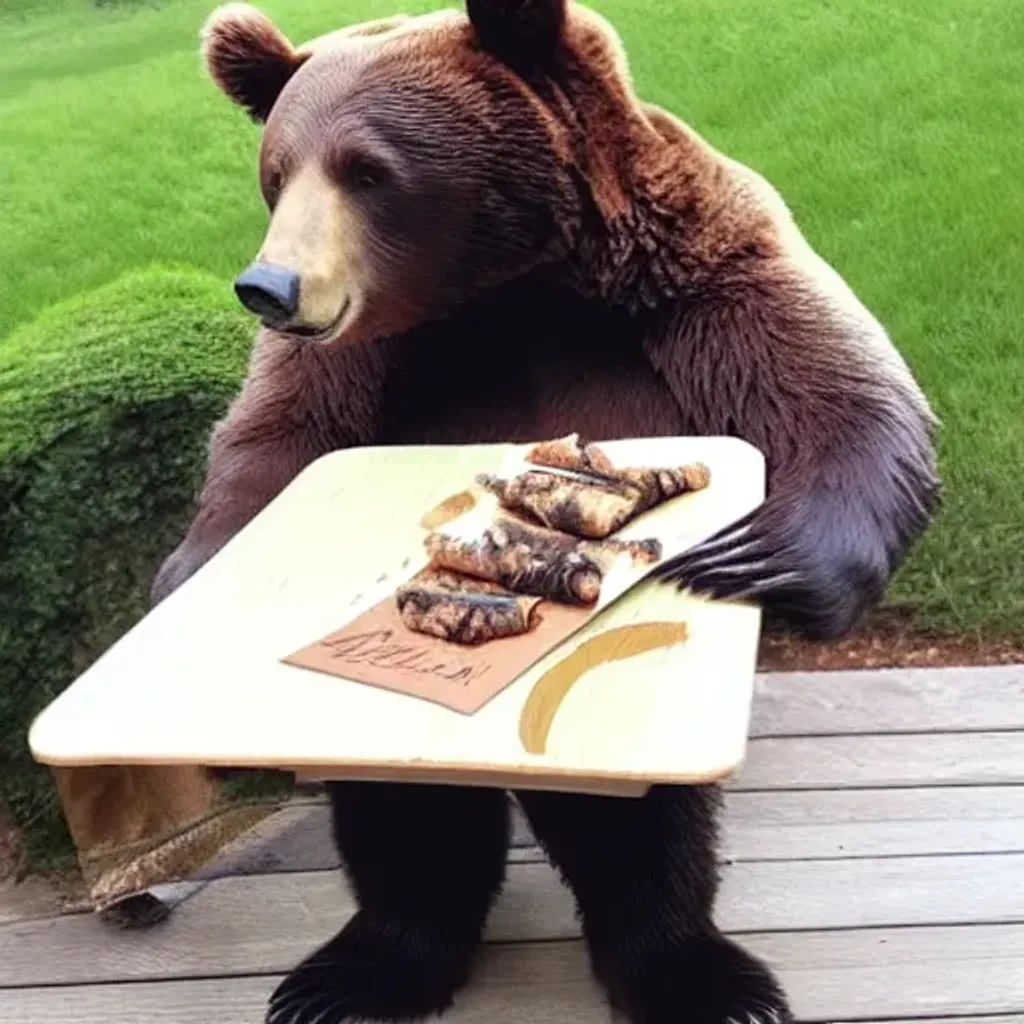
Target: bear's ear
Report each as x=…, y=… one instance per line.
x=521, y=33
x=248, y=58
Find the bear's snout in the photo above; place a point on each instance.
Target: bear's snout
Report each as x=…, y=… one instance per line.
x=269, y=291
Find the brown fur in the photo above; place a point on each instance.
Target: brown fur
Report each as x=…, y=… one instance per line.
x=248, y=58
x=529, y=251
x=630, y=280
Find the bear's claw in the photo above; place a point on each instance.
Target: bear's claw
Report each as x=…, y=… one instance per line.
x=371, y=972
x=703, y=981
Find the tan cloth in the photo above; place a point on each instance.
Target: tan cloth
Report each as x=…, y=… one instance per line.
x=139, y=826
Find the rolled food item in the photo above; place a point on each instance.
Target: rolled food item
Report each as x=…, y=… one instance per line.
x=522, y=558
x=566, y=502
x=529, y=559
x=462, y=609
x=570, y=452
x=576, y=489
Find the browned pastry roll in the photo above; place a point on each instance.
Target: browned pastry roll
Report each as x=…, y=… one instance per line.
x=576, y=489
x=529, y=559
x=523, y=558
x=570, y=453
x=462, y=609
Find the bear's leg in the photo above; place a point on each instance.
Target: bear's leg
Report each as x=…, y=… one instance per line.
x=644, y=875
x=425, y=863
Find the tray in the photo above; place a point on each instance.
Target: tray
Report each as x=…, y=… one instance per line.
x=204, y=677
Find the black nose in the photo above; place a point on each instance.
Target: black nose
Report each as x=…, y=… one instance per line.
x=269, y=291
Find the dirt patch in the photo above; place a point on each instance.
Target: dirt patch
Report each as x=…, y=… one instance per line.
x=889, y=640
x=37, y=896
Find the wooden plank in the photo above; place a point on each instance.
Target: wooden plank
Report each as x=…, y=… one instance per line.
x=900, y=972
x=781, y=825
x=871, y=701
x=830, y=976
x=872, y=892
x=266, y=923
x=772, y=825
x=857, y=762
x=298, y=838
x=1000, y=1018
x=246, y=924
x=295, y=838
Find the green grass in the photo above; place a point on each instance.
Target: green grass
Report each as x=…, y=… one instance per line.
x=893, y=129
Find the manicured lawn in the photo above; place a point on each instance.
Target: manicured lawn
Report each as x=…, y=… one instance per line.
x=892, y=128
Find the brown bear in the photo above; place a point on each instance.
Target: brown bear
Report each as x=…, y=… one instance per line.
x=479, y=233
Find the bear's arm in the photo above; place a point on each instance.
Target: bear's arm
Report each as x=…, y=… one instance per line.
x=847, y=440
x=297, y=403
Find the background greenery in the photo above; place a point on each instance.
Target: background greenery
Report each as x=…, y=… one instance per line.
x=893, y=130
x=105, y=401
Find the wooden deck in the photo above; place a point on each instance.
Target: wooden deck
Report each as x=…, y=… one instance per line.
x=874, y=849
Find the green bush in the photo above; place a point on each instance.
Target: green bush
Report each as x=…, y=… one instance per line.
x=106, y=403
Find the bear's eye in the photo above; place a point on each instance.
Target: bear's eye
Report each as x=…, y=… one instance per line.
x=272, y=187
x=364, y=172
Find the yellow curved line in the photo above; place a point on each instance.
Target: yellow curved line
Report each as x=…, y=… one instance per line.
x=550, y=690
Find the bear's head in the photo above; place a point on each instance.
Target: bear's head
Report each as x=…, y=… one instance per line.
x=412, y=162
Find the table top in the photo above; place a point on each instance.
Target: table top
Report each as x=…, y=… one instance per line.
x=202, y=678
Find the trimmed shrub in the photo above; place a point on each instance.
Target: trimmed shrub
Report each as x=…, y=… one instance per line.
x=106, y=404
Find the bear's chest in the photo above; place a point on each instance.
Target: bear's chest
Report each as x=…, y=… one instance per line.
x=531, y=363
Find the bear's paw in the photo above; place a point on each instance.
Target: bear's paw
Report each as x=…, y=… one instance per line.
x=375, y=972
x=701, y=981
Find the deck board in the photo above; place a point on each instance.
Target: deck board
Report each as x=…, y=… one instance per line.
x=880, y=701
x=850, y=823
x=857, y=762
x=831, y=976
x=779, y=825
x=262, y=924
x=872, y=848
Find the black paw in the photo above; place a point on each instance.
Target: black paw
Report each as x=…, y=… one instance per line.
x=816, y=583
x=741, y=561
x=372, y=972
x=703, y=981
